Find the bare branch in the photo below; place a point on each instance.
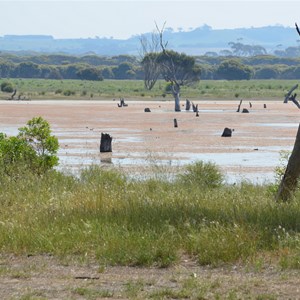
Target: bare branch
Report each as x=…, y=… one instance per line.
x=297, y=28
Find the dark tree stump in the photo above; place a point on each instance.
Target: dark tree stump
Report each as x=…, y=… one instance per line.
x=187, y=104
x=250, y=104
x=245, y=111
x=265, y=105
x=175, y=123
x=197, y=114
x=147, y=109
x=122, y=103
x=105, y=143
x=195, y=107
x=227, y=132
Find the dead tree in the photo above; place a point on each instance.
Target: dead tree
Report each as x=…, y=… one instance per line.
x=291, y=176
x=239, y=107
x=122, y=103
x=13, y=95
x=288, y=95
x=178, y=69
x=195, y=107
x=290, y=179
x=293, y=99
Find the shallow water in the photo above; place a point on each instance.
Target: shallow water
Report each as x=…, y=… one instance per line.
x=245, y=163
x=252, y=153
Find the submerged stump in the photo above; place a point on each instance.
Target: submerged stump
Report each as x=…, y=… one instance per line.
x=227, y=132
x=187, y=104
x=175, y=123
x=105, y=143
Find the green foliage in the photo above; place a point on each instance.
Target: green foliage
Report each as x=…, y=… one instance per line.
x=202, y=175
x=34, y=149
x=233, y=70
x=7, y=87
x=178, y=67
x=68, y=93
x=89, y=74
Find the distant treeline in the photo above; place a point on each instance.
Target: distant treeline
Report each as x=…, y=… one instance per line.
x=94, y=67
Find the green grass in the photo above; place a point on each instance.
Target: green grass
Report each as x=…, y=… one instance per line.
x=104, y=216
x=134, y=89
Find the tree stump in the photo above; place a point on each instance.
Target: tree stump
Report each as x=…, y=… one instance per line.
x=227, y=132
x=175, y=123
x=265, y=105
x=105, y=143
x=195, y=107
x=122, y=103
x=187, y=104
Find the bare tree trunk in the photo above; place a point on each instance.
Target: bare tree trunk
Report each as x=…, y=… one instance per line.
x=290, y=179
x=176, y=95
x=177, y=102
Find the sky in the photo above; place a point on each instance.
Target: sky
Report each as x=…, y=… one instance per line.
x=123, y=19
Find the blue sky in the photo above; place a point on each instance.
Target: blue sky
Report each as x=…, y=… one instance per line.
x=123, y=18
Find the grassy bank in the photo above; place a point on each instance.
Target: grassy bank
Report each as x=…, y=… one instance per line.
x=107, y=89
x=104, y=216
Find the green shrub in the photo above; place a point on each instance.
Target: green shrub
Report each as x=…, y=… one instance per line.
x=7, y=87
x=69, y=93
x=203, y=175
x=58, y=91
x=34, y=148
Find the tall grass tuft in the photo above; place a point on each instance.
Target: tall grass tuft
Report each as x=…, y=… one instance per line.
x=202, y=175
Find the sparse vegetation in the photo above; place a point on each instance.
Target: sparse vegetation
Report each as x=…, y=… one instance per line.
x=205, y=89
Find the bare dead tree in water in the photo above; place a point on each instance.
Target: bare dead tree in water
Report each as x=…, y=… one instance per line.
x=291, y=176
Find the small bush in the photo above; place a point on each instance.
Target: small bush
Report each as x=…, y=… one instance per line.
x=7, y=87
x=33, y=149
x=58, y=91
x=69, y=93
x=204, y=175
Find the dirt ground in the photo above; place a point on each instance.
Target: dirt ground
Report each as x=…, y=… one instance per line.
x=45, y=277
x=143, y=138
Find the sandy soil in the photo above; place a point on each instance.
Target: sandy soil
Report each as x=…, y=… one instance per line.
x=141, y=139
x=45, y=277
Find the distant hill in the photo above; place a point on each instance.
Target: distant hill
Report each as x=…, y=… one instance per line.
x=194, y=42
